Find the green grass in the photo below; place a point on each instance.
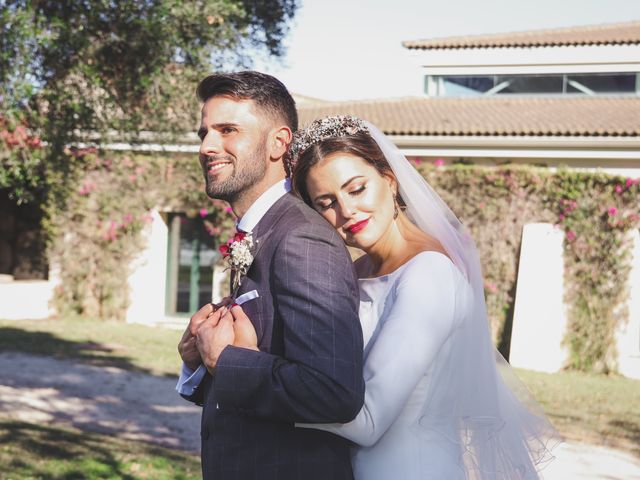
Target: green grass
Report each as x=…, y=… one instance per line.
x=133, y=347
x=29, y=452
x=590, y=408
x=597, y=409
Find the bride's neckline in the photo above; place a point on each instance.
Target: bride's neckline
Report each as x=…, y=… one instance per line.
x=400, y=268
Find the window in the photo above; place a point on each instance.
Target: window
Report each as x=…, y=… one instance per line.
x=560, y=84
x=191, y=256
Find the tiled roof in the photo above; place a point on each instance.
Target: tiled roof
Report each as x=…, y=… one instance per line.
x=627, y=33
x=521, y=116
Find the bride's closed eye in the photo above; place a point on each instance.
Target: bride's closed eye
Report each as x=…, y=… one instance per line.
x=358, y=190
x=326, y=206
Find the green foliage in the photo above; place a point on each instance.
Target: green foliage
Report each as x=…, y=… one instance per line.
x=595, y=210
x=99, y=235
x=70, y=71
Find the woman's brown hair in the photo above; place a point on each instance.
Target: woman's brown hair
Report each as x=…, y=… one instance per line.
x=361, y=145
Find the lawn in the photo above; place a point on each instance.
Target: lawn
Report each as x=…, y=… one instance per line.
x=30, y=452
x=597, y=409
x=591, y=408
x=129, y=346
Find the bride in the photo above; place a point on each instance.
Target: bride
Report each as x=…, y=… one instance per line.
x=437, y=404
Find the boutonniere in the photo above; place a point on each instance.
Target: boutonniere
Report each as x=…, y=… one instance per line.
x=237, y=253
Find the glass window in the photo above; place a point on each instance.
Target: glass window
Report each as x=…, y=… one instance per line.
x=557, y=84
x=520, y=84
x=464, y=86
x=601, y=83
x=191, y=258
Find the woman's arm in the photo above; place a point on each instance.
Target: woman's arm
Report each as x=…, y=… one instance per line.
x=420, y=321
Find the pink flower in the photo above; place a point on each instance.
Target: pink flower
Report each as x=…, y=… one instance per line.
x=612, y=211
x=571, y=235
x=490, y=286
x=629, y=182
x=127, y=219
x=438, y=162
x=619, y=187
x=204, y=212
x=228, y=210
x=561, y=217
x=112, y=232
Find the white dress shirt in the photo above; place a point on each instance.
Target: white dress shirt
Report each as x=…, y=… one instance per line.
x=190, y=379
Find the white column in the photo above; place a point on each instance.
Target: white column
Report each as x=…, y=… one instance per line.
x=147, y=282
x=628, y=334
x=539, y=320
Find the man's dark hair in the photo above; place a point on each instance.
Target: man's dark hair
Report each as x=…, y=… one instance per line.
x=266, y=91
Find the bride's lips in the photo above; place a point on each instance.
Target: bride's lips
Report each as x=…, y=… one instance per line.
x=356, y=227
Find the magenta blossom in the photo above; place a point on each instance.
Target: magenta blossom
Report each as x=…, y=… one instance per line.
x=204, y=212
x=612, y=211
x=571, y=235
x=619, y=188
x=438, y=162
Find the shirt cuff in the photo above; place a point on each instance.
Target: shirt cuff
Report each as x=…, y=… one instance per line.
x=189, y=380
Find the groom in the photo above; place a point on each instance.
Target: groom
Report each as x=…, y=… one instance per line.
x=308, y=366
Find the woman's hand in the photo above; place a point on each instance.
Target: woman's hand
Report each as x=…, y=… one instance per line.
x=245, y=333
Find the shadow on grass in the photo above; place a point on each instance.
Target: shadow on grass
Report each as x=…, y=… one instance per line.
x=48, y=344
x=35, y=451
x=631, y=431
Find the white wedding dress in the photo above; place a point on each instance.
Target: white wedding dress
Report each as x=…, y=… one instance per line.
x=408, y=318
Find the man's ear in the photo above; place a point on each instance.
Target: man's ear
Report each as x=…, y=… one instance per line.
x=280, y=140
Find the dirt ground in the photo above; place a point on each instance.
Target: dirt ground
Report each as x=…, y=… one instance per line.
x=143, y=407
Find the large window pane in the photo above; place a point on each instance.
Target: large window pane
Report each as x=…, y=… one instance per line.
x=601, y=83
x=463, y=86
x=520, y=84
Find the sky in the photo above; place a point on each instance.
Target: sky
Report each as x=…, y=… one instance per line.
x=351, y=49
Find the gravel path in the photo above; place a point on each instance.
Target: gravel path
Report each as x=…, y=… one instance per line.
x=144, y=407
x=101, y=399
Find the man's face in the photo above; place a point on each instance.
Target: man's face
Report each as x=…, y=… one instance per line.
x=233, y=153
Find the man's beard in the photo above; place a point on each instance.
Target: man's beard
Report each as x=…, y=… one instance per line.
x=243, y=177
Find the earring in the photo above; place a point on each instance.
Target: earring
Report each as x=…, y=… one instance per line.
x=396, y=210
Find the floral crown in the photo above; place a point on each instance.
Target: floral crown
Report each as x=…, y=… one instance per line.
x=319, y=130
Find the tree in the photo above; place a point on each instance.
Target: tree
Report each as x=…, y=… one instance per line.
x=73, y=71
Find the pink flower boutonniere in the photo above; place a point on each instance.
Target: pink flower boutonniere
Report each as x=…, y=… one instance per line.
x=237, y=253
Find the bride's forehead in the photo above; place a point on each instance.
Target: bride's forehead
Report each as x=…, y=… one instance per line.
x=344, y=163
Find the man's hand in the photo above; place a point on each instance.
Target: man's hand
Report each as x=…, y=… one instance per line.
x=213, y=335
x=187, y=345
x=245, y=333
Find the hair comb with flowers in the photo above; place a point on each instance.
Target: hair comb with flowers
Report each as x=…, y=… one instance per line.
x=319, y=130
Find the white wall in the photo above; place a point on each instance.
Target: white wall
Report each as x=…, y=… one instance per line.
x=27, y=299
x=148, y=281
x=628, y=335
x=539, y=320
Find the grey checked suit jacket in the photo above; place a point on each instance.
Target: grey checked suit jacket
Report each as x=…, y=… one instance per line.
x=309, y=368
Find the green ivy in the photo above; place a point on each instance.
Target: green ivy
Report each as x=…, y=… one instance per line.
x=99, y=235
x=595, y=210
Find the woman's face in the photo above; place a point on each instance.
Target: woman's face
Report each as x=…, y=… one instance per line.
x=353, y=197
